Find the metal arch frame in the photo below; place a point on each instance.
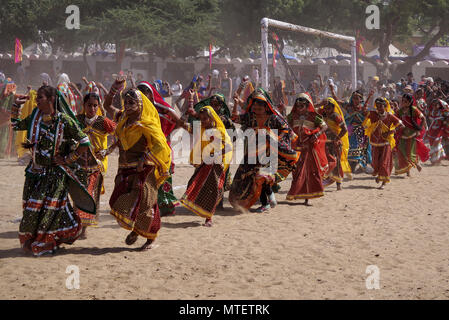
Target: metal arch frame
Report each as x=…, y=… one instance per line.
x=266, y=23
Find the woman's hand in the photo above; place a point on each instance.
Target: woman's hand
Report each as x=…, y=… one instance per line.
x=118, y=83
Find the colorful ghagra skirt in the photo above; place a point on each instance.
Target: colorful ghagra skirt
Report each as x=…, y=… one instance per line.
x=166, y=199
x=134, y=202
x=48, y=217
x=205, y=190
x=94, y=183
x=247, y=186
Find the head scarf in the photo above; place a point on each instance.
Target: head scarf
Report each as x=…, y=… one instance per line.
x=220, y=134
x=261, y=94
x=223, y=111
x=63, y=78
x=92, y=88
x=388, y=107
x=307, y=96
x=345, y=139
x=68, y=94
x=149, y=126
x=46, y=78
x=168, y=123
x=370, y=127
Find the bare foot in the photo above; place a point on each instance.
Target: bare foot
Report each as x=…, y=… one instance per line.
x=339, y=187
x=131, y=238
x=83, y=235
x=147, y=245
x=382, y=186
x=418, y=167
x=208, y=223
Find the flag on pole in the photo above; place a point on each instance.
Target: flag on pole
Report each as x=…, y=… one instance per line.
x=360, y=49
x=18, y=51
x=210, y=56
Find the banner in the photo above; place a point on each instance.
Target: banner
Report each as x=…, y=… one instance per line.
x=18, y=51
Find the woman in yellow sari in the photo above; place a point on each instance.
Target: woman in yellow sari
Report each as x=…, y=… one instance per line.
x=144, y=164
x=337, y=143
x=93, y=163
x=211, y=157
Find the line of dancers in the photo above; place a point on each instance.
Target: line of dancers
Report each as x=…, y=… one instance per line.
x=318, y=144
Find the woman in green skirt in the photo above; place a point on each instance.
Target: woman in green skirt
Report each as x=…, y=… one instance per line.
x=56, y=142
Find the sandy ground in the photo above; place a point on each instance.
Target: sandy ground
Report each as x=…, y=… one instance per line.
x=292, y=252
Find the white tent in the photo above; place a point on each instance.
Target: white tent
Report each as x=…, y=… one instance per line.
x=394, y=52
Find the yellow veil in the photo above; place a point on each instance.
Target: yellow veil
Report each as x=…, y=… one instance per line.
x=371, y=127
x=26, y=111
x=345, y=139
x=224, y=138
x=149, y=126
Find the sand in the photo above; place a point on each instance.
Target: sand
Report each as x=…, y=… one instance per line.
x=291, y=252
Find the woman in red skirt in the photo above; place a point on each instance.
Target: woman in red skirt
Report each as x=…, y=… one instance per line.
x=312, y=165
x=380, y=126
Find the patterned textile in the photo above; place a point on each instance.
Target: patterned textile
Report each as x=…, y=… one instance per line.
x=134, y=201
x=204, y=190
x=359, y=147
x=249, y=179
x=313, y=163
x=48, y=218
x=410, y=146
x=376, y=125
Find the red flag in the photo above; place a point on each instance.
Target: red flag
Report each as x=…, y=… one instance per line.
x=18, y=51
x=210, y=56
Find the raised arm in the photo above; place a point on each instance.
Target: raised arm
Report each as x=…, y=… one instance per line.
x=116, y=87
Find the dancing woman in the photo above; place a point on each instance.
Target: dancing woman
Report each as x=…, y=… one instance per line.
x=206, y=187
x=410, y=146
x=313, y=164
x=254, y=180
x=218, y=103
x=166, y=199
x=438, y=133
x=337, y=143
x=93, y=163
x=380, y=128
x=144, y=164
x=56, y=142
x=355, y=112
